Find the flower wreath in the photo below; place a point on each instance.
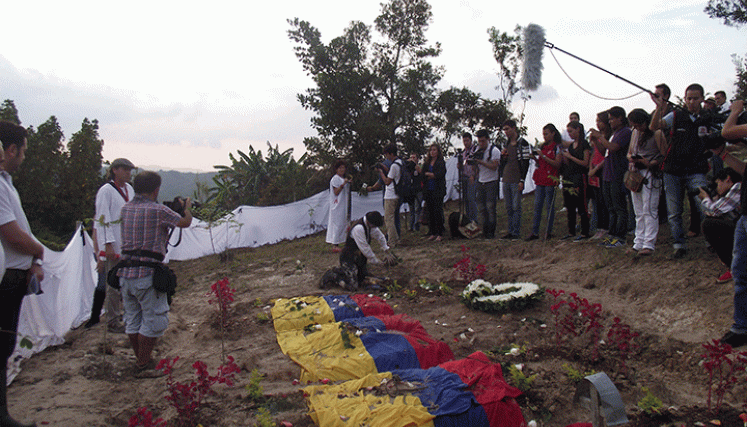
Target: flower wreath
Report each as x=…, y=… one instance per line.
x=481, y=295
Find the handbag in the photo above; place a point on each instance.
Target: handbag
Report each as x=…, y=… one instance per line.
x=634, y=180
x=164, y=278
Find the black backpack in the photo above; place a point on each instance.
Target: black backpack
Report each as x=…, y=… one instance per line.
x=404, y=188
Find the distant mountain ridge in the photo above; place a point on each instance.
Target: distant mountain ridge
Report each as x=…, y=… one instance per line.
x=179, y=184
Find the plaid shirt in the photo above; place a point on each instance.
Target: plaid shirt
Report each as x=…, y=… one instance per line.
x=145, y=225
x=730, y=202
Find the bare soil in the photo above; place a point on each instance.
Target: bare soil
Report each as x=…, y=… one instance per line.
x=675, y=306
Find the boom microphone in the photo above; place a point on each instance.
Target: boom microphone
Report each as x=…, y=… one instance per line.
x=534, y=44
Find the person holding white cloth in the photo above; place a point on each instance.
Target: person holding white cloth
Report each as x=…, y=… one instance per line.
x=644, y=156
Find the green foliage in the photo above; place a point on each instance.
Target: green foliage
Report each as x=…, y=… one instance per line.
x=576, y=375
x=507, y=52
x=255, y=180
x=732, y=12
x=459, y=109
x=519, y=378
x=740, y=64
x=264, y=418
x=368, y=93
x=394, y=287
x=650, y=404
x=9, y=112
x=263, y=318
x=254, y=388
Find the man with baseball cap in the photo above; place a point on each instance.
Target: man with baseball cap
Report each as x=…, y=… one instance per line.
x=108, y=240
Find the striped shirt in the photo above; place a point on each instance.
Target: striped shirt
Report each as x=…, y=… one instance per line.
x=731, y=201
x=146, y=226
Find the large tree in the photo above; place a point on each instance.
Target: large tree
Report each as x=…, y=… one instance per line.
x=460, y=109
x=732, y=12
x=367, y=93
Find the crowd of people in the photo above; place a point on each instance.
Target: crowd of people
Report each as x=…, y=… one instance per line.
x=618, y=179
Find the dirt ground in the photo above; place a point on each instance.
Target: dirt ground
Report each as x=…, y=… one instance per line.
x=675, y=305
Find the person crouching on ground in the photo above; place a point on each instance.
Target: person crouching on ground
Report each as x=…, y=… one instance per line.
x=721, y=214
x=146, y=225
x=357, y=252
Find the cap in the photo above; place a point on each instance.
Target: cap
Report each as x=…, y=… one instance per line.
x=711, y=100
x=122, y=162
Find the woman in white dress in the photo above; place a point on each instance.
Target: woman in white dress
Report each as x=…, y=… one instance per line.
x=338, y=206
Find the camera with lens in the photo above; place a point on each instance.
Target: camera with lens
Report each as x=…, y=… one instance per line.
x=177, y=205
x=712, y=139
x=477, y=155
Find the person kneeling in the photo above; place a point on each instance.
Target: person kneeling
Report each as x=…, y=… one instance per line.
x=722, y=212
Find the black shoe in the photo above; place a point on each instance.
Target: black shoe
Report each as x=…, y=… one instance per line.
x=734, y=339
x=679, y=253
x=532, y=237
x=508, y=236
x=568, y=236
x=581, y=238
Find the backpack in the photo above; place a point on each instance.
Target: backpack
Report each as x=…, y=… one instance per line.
x=404, y=188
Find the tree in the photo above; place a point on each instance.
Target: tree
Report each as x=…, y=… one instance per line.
x=369, y=94
x=732, y=12
x=459, y=109
x=9, y=112
x=39, y=181
x=81, y=176
x=507, y=53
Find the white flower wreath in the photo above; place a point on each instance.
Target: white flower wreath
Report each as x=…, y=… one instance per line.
x=481, y=295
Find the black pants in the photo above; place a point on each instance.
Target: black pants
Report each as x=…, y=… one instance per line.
x=577, y=203
x=719, y=232
x=435, y=203
x=12, y=290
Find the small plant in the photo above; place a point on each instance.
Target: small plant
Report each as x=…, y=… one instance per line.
x=466, y=269
x=620, y=336
x=393, y=287
x=575, y=317
x=263, y=318
x=187, y=398
x=411, y=293
x=223, y=297
x=258, y=302
x=264, y=418
x=519, y=378
x=254, y=388
x=650, y=404
x=722, y=364
x=576, y=375
x=144, y=418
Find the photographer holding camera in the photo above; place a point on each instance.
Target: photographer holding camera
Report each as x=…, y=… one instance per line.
x=721, y=203
x=146, y=226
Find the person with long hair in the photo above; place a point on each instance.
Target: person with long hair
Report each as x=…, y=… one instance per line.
x=545, y=180
x=338, y=206
x=600, y=216
x=644, y=156
x=434, y=190
x=574, y=171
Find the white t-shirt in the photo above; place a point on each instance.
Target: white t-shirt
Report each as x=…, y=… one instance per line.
x=487, y=174
x=109, y=204
x=11, y=210
x=394, y=174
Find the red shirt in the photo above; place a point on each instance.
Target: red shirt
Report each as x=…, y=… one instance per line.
x=544, y=172
x=145, y=225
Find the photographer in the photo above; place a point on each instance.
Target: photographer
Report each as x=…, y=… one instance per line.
x=146, y=226
x=721, y=206
x=391, y=199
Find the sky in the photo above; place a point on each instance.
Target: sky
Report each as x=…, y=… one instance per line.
x=180, y=85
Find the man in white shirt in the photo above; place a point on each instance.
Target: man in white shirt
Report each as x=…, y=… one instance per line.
x=487, y=182
x=391, y=199
x=23, y=254
x=357, y=252
x=108, y=241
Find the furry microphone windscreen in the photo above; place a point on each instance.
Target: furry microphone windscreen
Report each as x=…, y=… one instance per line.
x=534, y=45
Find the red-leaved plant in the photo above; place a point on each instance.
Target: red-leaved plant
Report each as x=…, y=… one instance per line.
x=187, y=398
x=575, y=317
x=722, y=364
x=468, y=270
x=144, y=418
x=623, y=339
x=222, y=294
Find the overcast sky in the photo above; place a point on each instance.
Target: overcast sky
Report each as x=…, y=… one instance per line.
x=179, y=85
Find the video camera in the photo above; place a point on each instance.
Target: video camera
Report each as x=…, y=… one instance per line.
x=713, y=139
x=177, y=205
x=477, y=155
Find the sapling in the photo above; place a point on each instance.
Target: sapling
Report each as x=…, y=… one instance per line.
x=468, y=270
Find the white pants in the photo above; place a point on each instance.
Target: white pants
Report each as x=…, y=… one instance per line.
x=646, y=206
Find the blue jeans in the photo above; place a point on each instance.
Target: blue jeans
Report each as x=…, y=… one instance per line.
x=739, y=272
x=470, y=202
x=675, y=188
x=487, y=199
x=615, y=197
x=416, y=208
x=512, y=197
x=544, y=198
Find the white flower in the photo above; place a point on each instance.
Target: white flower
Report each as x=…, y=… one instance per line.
x=318, y=327
x=515, y=351
x=358, y=333
x=462, y=336
x=532, y=423
x=519, y=366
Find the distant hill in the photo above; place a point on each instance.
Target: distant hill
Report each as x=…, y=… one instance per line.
x=176, y=183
